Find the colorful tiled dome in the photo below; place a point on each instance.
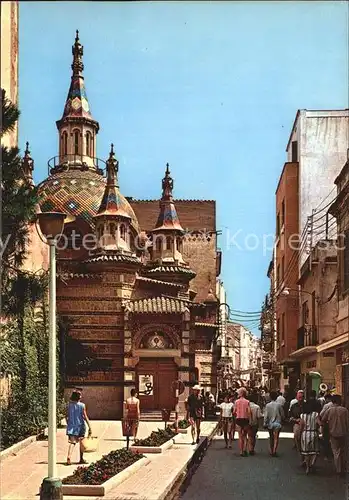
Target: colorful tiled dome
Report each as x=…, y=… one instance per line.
x=78, y=193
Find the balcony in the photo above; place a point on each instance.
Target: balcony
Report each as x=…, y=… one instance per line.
x=307, y=336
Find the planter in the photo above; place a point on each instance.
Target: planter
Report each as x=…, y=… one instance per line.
x=183, y=431
x=153, y=449
x=102, y=489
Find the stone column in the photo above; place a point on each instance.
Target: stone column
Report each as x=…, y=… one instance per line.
x=129, y=372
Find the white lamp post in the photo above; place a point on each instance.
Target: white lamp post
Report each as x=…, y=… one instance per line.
x=51, y=226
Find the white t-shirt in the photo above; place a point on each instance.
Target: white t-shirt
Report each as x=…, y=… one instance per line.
x=227, y=409
x=281, y=400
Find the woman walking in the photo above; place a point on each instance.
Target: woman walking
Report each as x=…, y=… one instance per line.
x=133, y=412
x=76, y=425
x=309, y=425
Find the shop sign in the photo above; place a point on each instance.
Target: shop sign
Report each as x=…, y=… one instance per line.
x=146, y=385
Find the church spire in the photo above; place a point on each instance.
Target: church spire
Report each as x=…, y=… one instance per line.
x=112, y=203
x=77, y=104
x=168, y=218
x=28, y=165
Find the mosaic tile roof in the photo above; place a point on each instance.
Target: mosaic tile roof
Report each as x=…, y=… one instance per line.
x=171, y=269
x=168, y=218
x=114, y=258
x=78, y=193
x=156, y=305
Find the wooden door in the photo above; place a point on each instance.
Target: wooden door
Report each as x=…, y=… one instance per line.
x=162, y=373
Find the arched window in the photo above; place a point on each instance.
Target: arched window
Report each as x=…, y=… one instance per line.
x=122, y=232
x=168, y=243
x=158, y=244
x=64, y=143
x=76, y=142
x=112, y=230
x=88, y=144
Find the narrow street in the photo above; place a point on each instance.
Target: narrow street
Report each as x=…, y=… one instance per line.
x=224, y=474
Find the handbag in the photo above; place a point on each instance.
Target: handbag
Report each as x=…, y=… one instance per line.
x=89, y=444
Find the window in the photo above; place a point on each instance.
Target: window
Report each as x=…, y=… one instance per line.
x=278, y=333
x=278, y=225
x=278, y=277
x=158, y=244
x=168, y=243
x=64, y=143
x=346, y=262
x=283, y=268
x=283, y=328
x=112, y=230
x=88, y=144
x=76, y=142
x=122, y=232
x=305, y=313
x=283, y=213
x=313, y=309
x=294, y=151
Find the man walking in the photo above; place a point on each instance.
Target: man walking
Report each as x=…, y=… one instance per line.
x=337, y=418
x=295, y=413
x=256, y=414
x=273, y=417
x=194, y=406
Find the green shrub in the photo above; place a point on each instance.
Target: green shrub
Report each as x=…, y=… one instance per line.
x=156, y=438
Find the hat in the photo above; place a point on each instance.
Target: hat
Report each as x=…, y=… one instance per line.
x=196, y=388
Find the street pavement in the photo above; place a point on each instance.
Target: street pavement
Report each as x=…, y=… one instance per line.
x=224, y=474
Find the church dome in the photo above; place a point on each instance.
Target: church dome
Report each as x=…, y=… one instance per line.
x=79, y=193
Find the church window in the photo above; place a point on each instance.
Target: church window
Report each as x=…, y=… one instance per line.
x=112, y=230
x=64, y=143
x=168, y=243
x=88, y=144
x=122, y=232
x=158, y=244
x=76, y=142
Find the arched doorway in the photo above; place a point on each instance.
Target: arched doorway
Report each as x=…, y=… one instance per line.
x=156, y=371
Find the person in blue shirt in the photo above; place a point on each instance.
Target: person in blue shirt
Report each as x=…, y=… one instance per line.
x=76, y=425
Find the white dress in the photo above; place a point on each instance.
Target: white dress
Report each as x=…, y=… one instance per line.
x=310, y=435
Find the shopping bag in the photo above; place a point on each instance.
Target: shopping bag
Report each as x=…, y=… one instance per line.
x=89, y=444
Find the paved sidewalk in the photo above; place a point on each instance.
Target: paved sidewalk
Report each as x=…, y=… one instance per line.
x=22, y=474
x=156, y=478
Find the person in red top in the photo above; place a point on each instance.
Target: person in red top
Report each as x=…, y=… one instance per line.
x=243, y=416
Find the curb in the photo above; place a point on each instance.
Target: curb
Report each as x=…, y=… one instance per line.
x=187, y=471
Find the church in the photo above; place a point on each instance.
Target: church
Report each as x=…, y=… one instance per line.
x=136, y=279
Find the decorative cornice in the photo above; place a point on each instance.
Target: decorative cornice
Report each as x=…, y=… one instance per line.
x=155, y=305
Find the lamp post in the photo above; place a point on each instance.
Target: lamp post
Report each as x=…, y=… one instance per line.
x=51, y=226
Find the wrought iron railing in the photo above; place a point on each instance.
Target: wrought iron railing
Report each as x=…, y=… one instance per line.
x=307, y=335
x=64, y=162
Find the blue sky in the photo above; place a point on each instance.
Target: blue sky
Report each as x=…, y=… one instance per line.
x=211, y=87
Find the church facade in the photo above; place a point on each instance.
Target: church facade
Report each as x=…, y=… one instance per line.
x=136, y=279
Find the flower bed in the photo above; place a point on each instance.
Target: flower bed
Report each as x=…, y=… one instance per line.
x=157, y=442
x=105, y=468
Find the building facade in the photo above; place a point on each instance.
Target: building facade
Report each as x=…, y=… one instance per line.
x=338, y=346
x=9, y=18
x=286, y=273
x=136, y=279
x=318, y=143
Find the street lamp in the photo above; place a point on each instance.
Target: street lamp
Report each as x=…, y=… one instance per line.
x=51, y=226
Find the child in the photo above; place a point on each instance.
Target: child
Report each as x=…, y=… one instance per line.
x=76, y=428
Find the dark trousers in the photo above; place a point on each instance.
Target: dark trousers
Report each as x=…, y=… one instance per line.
x=326, y=441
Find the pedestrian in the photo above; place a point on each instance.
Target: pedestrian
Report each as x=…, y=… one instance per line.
x=133, y=412
x=295, y=413
x=337, y=417
x=232, y=399
x=309, y=427
x=325, y=428
x=76, y=425
x=256, y=414
x=280, y=399
x=226, y=420
x=242, y=412
x=194, y=405
x=273, y=417
x=315, y=402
